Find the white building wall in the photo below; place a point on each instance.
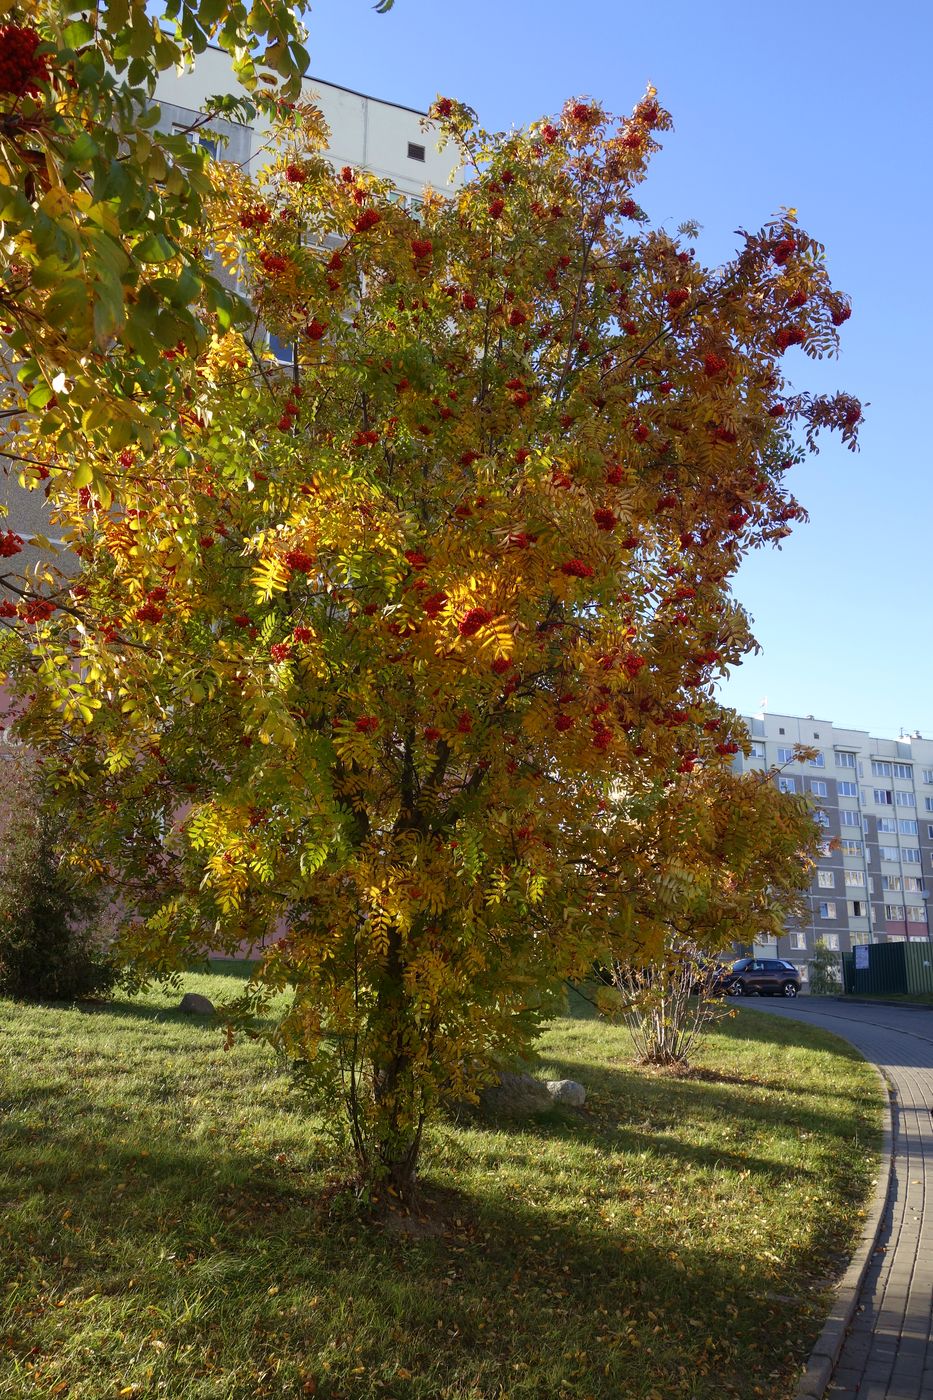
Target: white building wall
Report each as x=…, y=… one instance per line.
x=365, y=131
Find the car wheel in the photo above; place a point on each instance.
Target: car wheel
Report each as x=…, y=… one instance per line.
x=737, y=990
x=789, y=989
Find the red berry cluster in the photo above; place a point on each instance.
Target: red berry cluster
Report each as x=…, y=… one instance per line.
x=299, y=562
x=421, y=248
x=369, y=438
x=280, y=651
x=605, y=519
x=789, y=335
x=10, y=544
x=255, y=218
x=432, y=605
x=367, y=220
x=21, y=71
x=296, y=174
x=677, y=298
x=289, y=412
x=713, y=365
x=575, y=568
x=472, y=621
x=273, y=263
x=782, y=250
x=367, y=724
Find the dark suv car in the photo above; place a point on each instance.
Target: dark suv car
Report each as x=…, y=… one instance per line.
x=767, y=976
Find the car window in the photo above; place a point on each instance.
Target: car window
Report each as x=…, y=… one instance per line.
x=772, y=966
x=756, y=967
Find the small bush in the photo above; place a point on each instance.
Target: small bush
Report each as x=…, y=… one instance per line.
x=825, y=971
x=668, y=1007
x=48, y=950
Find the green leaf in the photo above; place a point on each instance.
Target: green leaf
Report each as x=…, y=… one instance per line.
x=77, y=34
x=154, y=248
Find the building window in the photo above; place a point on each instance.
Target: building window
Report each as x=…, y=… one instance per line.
x=905, y=799
x=855, y=908
x=818, y=762
x=928, y=803
x=844, y=759
x=757, y=751
x=916, y=914
x=855, y=877
x=787, y=784
x=800, y=942
x=785, y=755
x=881, y=770
x=828, y=909
x=883, y=796
x=206, y=141
x=849, y=819
x=890, y=882
x=832, y=941
x=820, y=817
x=910, y=855
x=818, y=787
x=887, y=852
x=894, y=913
x=928, y=775
x=907, y=826
x=913, y=885
x=825, y=849
x=888, y=825
x=850, y=847
x=826, y=879
x=904, y=770
x=859, y=935
x=283, y=350
x=781, y=730
x=847, y=789
x=930, y=833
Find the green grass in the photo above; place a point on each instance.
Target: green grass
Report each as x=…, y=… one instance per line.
x=899, y=998
x=167, y=1228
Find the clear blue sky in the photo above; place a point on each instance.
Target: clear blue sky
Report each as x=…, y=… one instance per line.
x=827, y=107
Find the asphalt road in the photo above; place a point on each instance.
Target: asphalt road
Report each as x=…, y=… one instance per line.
x=888, y=1354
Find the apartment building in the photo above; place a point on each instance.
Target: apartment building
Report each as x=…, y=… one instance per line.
x=394, y=142
x=874, y=800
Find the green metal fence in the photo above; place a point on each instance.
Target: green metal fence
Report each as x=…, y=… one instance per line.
x=891, y=968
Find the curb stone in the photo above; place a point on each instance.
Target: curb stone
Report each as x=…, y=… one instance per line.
x=822, y=1359
x=879, y=1001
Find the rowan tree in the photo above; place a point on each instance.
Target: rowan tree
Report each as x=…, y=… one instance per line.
x=359, y=662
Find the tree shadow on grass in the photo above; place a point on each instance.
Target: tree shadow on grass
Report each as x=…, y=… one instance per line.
x=220, y=1252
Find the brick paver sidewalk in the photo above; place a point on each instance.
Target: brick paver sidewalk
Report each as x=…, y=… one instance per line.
x=888, y=1354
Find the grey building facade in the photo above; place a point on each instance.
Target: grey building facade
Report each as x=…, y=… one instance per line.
x=874, y=800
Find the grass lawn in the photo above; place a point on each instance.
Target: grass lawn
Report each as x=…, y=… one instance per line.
x=899, y=998
x=165, y=1228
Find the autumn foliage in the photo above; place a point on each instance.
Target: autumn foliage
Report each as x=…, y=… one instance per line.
x=370, y=656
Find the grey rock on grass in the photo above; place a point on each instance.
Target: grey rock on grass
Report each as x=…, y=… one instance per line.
x=196, y=1004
